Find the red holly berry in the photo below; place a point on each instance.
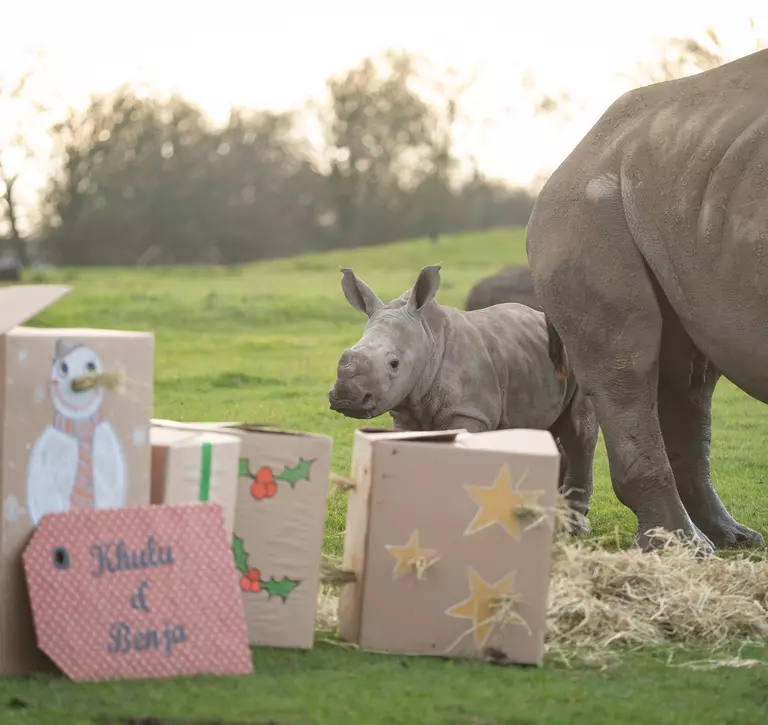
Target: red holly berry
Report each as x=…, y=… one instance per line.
x=255, y=586
x=264, y=475
x=254, y=575
x=258, y=490
x=264, y=485
x=245, y=583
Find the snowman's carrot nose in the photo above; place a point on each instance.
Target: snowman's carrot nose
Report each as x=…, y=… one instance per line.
x=107, y=380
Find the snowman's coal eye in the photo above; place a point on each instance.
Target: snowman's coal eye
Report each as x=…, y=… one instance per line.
x=90, y=366
x=64, y=368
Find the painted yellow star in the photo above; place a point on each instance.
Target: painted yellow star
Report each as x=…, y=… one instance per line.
x=407, y=554
x=499, y=503
x=479, y=605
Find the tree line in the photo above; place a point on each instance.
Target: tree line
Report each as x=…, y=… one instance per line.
x=141, y=179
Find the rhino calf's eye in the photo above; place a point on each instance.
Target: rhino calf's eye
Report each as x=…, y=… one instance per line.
x=394, y=364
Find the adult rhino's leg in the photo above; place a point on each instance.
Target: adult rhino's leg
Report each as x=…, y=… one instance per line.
x=594, y=286
x=577, y=432
x=686, y=385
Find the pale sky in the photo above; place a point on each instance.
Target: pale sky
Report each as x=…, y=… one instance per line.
x=246, y=52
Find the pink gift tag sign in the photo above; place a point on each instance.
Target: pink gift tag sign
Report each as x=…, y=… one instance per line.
x=138, y=592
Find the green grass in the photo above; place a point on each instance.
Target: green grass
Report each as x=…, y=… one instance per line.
x=260, y=343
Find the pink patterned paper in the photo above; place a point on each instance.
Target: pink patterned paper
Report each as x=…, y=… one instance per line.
x=138, y=592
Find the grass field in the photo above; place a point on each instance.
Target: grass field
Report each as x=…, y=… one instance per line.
x=260, y=343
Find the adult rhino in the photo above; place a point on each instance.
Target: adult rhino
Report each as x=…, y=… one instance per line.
x=509, y=284
x=649, y=251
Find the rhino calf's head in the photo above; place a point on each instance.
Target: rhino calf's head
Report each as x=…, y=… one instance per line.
x=385, y=365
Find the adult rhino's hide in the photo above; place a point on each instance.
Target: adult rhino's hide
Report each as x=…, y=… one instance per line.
x=649, y=250
x=437, y=368
x=509, y=284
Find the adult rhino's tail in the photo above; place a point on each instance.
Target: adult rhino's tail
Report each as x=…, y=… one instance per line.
x=557, y=353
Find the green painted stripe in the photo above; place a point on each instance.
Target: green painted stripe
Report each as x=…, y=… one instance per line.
x=205, y=472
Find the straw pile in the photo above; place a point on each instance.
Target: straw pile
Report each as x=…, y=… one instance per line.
x=601, y=601
x=600, y=598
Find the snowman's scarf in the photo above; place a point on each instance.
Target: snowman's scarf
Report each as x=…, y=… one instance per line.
x=82, y=430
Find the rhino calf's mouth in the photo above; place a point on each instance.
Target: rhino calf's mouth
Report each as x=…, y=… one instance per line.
x=351, y=407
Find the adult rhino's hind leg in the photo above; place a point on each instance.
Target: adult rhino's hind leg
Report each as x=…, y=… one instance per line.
x=594, y=287
x=686, y=385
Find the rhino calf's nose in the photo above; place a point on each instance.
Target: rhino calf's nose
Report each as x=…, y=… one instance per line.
x=351, y=360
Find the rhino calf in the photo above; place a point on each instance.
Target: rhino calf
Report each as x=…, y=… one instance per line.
x=509, y=284
x=433, y=367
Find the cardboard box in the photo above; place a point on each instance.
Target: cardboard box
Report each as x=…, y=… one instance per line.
x=443, y=565
x=190, y=466
x=63, y=447
x=279, y=528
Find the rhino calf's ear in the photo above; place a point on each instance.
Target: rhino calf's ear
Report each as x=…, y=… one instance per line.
x=358, y=293
x=426, y=287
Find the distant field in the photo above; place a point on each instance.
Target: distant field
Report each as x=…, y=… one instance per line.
x=260, y=343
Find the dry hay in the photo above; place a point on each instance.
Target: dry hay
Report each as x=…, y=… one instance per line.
x=670, y=596
x=603, y=601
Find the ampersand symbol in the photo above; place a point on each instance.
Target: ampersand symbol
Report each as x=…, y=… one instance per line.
x=138, y=601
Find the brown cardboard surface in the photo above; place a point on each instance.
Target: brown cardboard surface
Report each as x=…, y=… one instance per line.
x=22, y=302
x=279, y=527
x=177, y=462
x=40, y=451
x=413, y=492
x=358, y=514
x=355, y=537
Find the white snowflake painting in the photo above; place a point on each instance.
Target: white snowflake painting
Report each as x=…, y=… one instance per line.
x=140, y=436
x=12, y=509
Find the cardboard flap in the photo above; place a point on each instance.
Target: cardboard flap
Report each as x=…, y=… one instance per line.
x=162, y=436
x=179, y=425
x=423, y=436
x=263, y=428
x=21, y=303
x=528, y=441
x=223, y=427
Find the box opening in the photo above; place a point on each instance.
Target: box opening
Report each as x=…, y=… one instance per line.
x=434, y=438
x=414, y=436
x=266, y=428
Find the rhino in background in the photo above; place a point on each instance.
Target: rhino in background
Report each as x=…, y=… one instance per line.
x=436, y=368
x=509, y=284
x=658, y=283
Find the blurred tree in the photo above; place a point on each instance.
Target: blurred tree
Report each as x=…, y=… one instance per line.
x=677, y=57
x=145, y=180
x=131, y=178
x=271, y=194
x=21, y=111
x=390, y=149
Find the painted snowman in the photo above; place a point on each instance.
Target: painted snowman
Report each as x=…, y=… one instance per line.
x=78, y=461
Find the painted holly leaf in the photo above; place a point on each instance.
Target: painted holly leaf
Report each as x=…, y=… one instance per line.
x=241, y=558
x=280, y=588
x=297, y=473
x=243, y=468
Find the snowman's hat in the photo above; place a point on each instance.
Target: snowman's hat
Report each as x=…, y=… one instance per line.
x=63, y=347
